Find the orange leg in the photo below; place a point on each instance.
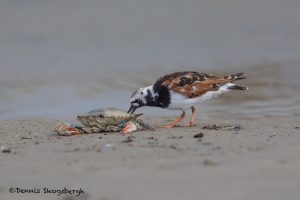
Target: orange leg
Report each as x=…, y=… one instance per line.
x=193, y=118
x=172, y=124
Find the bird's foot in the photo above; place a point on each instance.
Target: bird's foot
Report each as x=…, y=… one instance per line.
x=168, y=126
x=189, y=125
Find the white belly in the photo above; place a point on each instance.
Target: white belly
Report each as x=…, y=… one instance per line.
x=181, y=102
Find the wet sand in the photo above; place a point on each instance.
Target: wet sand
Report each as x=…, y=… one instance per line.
x=65, y=57
x=259, y=161
x=62, y=57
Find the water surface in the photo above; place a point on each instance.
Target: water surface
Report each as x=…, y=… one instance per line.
x=59, y=58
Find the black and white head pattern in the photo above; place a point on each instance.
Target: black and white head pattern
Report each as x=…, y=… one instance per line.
x=143, y=97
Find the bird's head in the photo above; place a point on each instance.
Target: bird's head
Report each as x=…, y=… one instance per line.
x=138, y=99
x=141, y=97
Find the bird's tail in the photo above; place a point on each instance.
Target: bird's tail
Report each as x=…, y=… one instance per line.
x=236, y=77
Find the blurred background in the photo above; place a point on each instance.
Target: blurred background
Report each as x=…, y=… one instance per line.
x=59, y=58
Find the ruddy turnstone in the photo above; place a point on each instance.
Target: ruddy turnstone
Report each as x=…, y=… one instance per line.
x=182, y=90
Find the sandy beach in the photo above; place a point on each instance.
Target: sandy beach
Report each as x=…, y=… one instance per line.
x=259, y=159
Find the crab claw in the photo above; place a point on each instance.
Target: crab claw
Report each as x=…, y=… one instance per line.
x=130, y=127
x=66, y=129
x=126, y=130
x=72, y=130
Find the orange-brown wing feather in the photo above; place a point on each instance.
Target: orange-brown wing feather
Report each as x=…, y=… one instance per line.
x=194, y=84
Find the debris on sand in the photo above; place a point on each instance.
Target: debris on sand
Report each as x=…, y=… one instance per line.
x=222, y=127
x=208, y=162
x=173, y=146
x=26, y=138
x=175, y=137
x=129, y=139
x=206, y=143
x=5, y=149
x=150, y=138
x=199, y=135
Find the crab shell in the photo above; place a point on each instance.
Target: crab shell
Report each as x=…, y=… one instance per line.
x=112, y=112
x=108, y=120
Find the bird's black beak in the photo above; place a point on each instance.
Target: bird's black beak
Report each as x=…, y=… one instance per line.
x=132, y=109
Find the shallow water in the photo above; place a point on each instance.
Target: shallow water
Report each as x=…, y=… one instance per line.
x=61, y=58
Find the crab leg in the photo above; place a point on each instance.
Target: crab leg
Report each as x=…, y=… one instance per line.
x=127, y=129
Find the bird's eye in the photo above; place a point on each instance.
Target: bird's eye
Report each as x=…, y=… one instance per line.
x=142, y=93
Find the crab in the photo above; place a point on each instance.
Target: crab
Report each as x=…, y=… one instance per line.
x=104, y=120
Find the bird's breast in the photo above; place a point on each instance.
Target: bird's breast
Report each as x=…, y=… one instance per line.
x=180, y=101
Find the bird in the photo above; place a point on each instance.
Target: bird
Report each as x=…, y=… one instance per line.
x=182, y=90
